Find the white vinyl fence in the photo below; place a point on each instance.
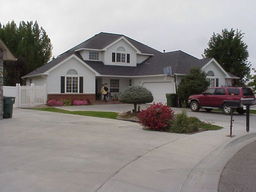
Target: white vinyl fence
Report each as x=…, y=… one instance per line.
x=26, y=96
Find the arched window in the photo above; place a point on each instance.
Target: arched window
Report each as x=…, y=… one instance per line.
x=72, y=81
x=120, y=49
x=210, y=73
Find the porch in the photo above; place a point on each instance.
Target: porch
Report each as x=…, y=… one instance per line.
x=115, y=86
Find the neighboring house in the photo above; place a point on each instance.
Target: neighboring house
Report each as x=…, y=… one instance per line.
x=120, y=62
x=5, y=55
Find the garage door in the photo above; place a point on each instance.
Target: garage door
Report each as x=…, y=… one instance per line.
x=159, y=89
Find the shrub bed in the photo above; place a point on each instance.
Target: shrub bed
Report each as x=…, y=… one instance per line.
x=156, y=117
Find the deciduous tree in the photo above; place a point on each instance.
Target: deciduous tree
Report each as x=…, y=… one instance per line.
x=229, y=49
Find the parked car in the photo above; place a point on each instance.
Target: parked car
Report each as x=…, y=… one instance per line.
x=217, y=97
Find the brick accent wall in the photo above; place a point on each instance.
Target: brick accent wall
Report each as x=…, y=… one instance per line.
x=90, y=97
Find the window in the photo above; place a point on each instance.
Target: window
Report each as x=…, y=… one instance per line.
x=93, y=55
x=72, y=81
x=214, y=82
x=128, y=58
x=233, y=91
x=123, y=58
x=210, y=73
x=247, y=92
x=219, y=91
x=130, y=82
x=114, y=85
x=209, y=91
x=118, y=57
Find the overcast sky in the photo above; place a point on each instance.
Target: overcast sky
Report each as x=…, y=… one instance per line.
x=169, y=25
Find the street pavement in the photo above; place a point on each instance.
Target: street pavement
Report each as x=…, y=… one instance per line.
x=53, y=152
x=240, y=172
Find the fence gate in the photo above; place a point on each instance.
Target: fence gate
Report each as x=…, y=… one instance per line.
x=29, y=96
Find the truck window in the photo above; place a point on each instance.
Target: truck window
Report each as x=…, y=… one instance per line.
x=247, y=92
x=219, y=91
x=233, y=91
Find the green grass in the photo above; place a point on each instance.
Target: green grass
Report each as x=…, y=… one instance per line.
x=253, y=111
x=102, y=114
x=209, y=126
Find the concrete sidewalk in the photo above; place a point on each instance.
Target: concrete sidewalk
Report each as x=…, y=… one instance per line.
x=43, y=151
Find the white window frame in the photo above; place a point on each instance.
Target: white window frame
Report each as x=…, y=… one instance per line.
x=94, y=55
x=72, y=76
x=117, y=87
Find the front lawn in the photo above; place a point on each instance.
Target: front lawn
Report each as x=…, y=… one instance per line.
x=102, y=114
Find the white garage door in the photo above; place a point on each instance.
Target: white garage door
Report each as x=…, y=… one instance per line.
x=159, y=90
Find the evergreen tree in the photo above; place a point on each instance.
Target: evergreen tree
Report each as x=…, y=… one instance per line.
x=30, y=44
x=230, y=51
x=194, y=83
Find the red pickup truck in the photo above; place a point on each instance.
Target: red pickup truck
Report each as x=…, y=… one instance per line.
x=217, y=97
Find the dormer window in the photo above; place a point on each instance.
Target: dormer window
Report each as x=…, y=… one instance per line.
x=120, y=56
x=94, y=55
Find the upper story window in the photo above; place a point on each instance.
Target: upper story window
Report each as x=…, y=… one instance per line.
x=93, y=55
x=210, y=73
x=120, y=56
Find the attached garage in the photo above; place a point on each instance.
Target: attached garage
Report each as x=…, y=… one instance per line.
x=159, y=89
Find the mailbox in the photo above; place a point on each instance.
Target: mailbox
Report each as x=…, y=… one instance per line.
x=248, y=101
x=233, y=103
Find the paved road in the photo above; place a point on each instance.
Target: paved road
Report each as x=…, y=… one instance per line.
x=212, y=117
x=240, y=172
x=53, y=152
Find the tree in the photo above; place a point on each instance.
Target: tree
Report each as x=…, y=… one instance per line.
x=136, y=95
x=30, y=44
x=252, y=78
x=230, y=51
x=194, y=83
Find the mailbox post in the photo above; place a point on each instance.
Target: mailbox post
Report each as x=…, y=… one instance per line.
x=248, y=102
x=233, y=104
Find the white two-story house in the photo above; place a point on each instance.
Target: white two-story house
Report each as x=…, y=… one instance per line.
x=120, y=62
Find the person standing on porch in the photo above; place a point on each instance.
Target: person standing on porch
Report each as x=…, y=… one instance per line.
x=104, y=92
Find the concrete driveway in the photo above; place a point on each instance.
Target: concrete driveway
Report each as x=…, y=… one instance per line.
x=43, y=151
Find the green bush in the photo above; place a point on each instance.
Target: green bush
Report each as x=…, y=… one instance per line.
x=67, y=102
x=136, y=95
x=184, y=124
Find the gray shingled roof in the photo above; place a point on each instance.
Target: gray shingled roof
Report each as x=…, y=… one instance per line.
x=180, y=62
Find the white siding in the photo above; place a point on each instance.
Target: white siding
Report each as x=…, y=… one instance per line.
x=38, y=81
x=53, y=80
x=141, y=58
x=218, y=73
x=128, y=49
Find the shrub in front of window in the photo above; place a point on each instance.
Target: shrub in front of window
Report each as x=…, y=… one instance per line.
x=53, y=102
x=156, y=117
x=80, y=102
x=136, y=95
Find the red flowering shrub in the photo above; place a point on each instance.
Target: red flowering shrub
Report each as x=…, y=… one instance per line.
x=156, y=117
x=53, y=102
x=80, y=102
